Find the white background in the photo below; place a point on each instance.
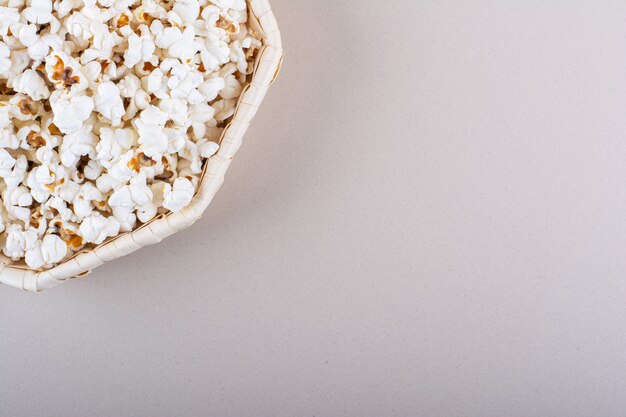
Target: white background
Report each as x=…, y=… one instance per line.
x=428, y=218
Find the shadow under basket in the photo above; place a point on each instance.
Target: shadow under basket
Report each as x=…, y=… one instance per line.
x=266, y=67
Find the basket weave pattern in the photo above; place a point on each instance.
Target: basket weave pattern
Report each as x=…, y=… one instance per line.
x=267, y=65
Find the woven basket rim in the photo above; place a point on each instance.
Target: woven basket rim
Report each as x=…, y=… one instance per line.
x=267, y=66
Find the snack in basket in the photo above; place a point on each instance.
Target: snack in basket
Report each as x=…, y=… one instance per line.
x=108, y=111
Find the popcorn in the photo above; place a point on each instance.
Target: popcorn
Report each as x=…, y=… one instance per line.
x=19, y=62
x=191, y=153
x=179, y=195
x=113, y=143
x=214, y=53
x=150, y=126
x=5, y=58
x=15, y=242
x=187, y=10
x=140, y=49
x=109, y=110
x=50, y=250
x=108, y=102
x=207, y=148
x=65, y=73
x=184, y=46
x=40, y=11
x=140, y=192
x=53, y=249
x=17, y=173
x=23, y=108
x=83, y=201
x=37, y=47
x=96, y=228
x=16, y=202
x=70, y=111
x=7, y=162
x=33, y=256
x=231, y=89
x=238, y=5
x=8, y=17
x=38, y=190
x=31, y=84
x=76, y=144
x=211, y=88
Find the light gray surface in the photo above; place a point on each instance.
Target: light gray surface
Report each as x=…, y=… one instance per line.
x=428, y=218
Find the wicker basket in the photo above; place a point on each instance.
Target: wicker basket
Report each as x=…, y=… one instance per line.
x=267, y=65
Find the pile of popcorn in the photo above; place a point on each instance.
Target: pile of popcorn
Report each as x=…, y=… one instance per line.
x=108, y=110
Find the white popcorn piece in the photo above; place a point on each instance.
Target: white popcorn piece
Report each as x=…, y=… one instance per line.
x=147, y=212
x=214, y=53
x=232, y=88
x=20, y=197
x=175, y=139
x=165, y=37
x=230, y=4
x=96, y=228
x=140, y=48
x=129, y=85
x=43, y=175
x=5, y=122
x=64, y=7
x=31, y=84
x=121, y=198
x=179, y=195
x=112, y=144
x=102, y=42
x=60, y=207
x=187, y=10
x=126, y=218
x=211, y=88
x=70, y=111
x=33, y=256
x=155, y=83
x=40, y=11
x=185, y=47
x=15, y=242
x=224, y=109
x=37, y=222
x=207, y=148
x=9, y=16
x=5, y=58
x=191, y=153
x=108, y=102
x=19, y=62
x=37, y=46
x=38, y=190
x=78, y=143
x=16, y=202
x=16, y=175
x=82, y=203
x=140, y=192
x=93, y=170
x=201, y=113
x=7, y=162
x=122, y=170
x=53, y=249
x=211, y=14
x=150, y=127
